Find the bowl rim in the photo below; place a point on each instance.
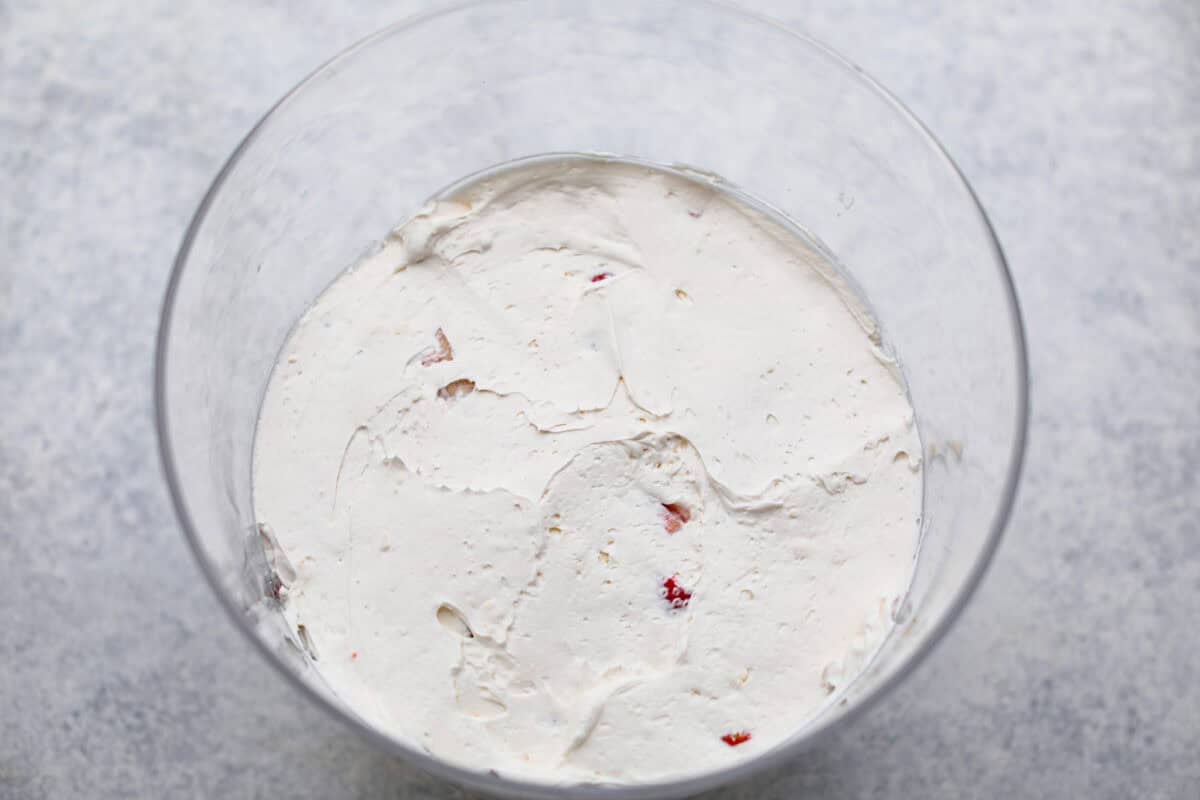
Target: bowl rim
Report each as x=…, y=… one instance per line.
x=513, y=787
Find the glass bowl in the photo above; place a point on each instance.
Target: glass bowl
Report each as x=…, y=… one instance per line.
x=365, y=140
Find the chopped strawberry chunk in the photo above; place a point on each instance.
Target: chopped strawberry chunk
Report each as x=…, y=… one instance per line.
x=601, y=276
x=675, y=594
x=442, y=352
x=674, y=516
x=736, y=738
x=273, y=587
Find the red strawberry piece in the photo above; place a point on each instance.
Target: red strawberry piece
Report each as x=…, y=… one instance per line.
x=601, y=276
x=736, y=738
x=674, y=516
x=675, y=594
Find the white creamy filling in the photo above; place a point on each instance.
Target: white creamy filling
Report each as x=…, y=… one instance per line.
x=588, y=474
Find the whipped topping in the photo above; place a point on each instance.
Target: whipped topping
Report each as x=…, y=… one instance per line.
x=594, y=472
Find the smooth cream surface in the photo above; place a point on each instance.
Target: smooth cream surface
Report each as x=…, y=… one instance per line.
x=590, y=466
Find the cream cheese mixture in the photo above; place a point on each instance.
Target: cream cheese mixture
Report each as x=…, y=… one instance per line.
x=592, y=473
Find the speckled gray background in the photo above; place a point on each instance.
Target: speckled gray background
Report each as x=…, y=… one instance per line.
x=1075, y=673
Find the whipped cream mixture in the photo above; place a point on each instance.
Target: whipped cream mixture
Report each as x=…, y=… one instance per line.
x=592, y=473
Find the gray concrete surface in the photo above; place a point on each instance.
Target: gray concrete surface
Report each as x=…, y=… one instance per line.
x=1074, y=674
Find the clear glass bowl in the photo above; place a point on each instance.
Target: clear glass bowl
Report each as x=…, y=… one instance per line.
x=365, y=140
